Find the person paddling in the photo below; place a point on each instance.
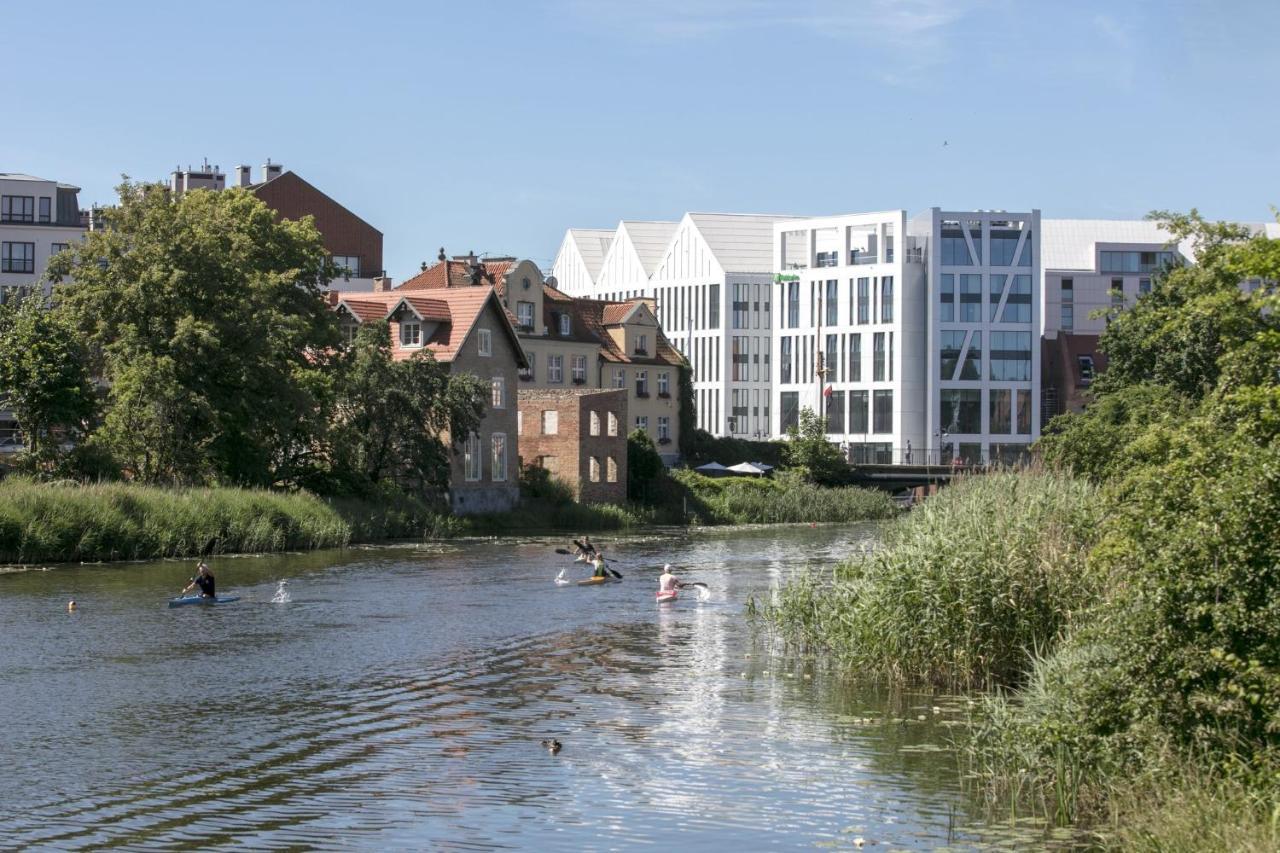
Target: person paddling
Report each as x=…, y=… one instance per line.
x=204, y=580
x=667, y=581
x=601, y=571
x=585, y=549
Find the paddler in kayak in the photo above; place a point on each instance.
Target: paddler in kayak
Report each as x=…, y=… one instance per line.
x=600, y=571
x=586, y=551
x=667, y=581
x=204, y=580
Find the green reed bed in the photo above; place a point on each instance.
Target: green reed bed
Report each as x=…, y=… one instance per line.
x=783, y=499
x=964, y=590
x=41, y=522
x=534, y=515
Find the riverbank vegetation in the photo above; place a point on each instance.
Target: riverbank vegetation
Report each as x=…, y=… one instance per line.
x=1126, y=605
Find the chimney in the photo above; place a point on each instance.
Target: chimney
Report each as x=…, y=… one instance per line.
x=271, y=170
x=243, y=178
x=382, y=284
x=474, y=267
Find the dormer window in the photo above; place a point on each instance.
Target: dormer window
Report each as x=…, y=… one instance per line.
x=411, y=334
x=484, y=342
x=350, y=331
x=524, y=316
x=564, y=324
x=642, y=345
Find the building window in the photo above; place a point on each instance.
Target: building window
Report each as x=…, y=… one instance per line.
x=886, y=299
x=619, y=377
x=855, y=358
x=524, y=315
x=882, y=411
x=784, y=361
x=831, y=358
x=877, y=357
x=595, y=423
x=471, y=459
x=550, y=422
x=613, y=424
x=664, y=428
x=1084, y=364
x=664, y=384
x=642, y=345
x=835, y=412
x=1011, y=357
x=642, y=383
x=1068, y=290
x=955, y=251
x=46, y=209
x=740, y=359
x=611, y=469
x=1136, y=262
x=17, y=208
x=18, y=257
x=1024, y=411
x=972, y=366
x=578, y=364
x=499, y=472
x=565, y=327
x=555, y=369
x=348, y=265
x=1117, y=292
x=1144, y=286
x=499, y=392
x=350, y=331
x=55, y=248
x=713, y=307
x=833, y=300
x=594, y=472
x=519, y=423
x=1017, y=304
x=484, y=342
x=1068, y=317
x=864, y=301
x=858, y=412
x=793, y=305
x=789, y=409
x=950, y=345
x=961, y=411
x=642, y=422
x=411, y=334
x=970, y=299
x=741, y=306
x=947, y=298
x=1000, y=416
x=530, y=373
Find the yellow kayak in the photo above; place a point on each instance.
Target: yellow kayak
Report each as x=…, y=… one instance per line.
x=597, y=581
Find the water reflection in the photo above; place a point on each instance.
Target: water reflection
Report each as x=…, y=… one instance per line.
x=401, y=700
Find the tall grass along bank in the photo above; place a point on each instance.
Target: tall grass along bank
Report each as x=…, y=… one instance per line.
x=784, y=499
x=965, y=590
x=42, y=522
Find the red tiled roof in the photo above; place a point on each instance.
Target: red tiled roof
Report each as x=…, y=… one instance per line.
x=365, y=309
x=616, y=312
x=429, y=308
x=592, y=313
x=444, y=274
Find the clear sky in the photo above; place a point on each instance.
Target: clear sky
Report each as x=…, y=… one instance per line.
x=493, y=126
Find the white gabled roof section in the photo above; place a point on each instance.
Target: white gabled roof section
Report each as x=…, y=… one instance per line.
x=636, y=249
x=580, y=258
x=649, y=240
x=740, y=242
x=592, y=245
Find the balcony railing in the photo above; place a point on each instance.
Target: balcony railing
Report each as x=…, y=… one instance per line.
x=858, y=258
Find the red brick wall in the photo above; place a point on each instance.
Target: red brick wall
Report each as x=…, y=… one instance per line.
x=344, y=233
x=573, y=446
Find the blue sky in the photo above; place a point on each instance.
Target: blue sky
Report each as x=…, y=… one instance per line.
x=493, y=126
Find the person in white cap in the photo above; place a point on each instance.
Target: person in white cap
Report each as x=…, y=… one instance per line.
x=667, y=581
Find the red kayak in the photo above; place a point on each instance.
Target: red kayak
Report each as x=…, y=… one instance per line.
x=666, y=595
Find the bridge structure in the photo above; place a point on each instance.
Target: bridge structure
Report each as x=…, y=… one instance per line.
x=897, y=477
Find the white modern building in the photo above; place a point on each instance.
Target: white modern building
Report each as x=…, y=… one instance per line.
x=38, y=219
x=710, y=276
x=917, y=339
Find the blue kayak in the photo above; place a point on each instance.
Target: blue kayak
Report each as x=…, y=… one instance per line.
x=197, y=599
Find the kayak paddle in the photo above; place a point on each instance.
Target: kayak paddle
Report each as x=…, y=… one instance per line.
x=617, y=574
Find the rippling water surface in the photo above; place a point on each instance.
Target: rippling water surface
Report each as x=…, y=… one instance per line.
x=399, y=697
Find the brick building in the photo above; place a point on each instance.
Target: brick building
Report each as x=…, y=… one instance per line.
x=468, y=330
x=354, y=245
x=579, y=436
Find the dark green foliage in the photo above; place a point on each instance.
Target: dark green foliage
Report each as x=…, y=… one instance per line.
x=809, y=451
x=688, y=418
x=783, y=499
x=644, y=466
x=705, y=447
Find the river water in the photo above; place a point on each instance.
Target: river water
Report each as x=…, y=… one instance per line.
x=398, y=698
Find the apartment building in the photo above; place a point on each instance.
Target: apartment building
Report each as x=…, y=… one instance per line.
x=709, y=275
x=38, y=219
x=354, y=245
x=578, y=343
x=468, y=330
x=916, y=338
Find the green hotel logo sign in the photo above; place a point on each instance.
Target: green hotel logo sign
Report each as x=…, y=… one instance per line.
x=781, y=278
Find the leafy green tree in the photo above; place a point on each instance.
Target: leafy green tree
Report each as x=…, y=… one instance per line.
x=44, y=377
x=391, y=419
x=809, y=451
x=205, y=317
x=644, y=465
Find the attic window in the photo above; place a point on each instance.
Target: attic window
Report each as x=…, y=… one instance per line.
x=411, y=334
x=642, y=344
x=484, y=342
x=564, y=324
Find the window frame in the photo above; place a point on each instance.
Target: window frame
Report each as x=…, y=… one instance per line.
x=484, y=343
x=498, y=472
x=416, y=327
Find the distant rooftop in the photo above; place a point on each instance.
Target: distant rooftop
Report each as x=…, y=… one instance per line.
x=19, y=176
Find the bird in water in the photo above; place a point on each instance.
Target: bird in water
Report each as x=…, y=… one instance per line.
x=552, y=746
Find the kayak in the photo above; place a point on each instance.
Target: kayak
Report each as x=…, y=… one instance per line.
x=197, y=599
x=667, y=595
x=597, y=581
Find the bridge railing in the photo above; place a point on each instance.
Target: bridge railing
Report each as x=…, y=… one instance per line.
x=879, y=454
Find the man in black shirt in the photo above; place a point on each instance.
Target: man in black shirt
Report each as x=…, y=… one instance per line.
x=204, y=580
